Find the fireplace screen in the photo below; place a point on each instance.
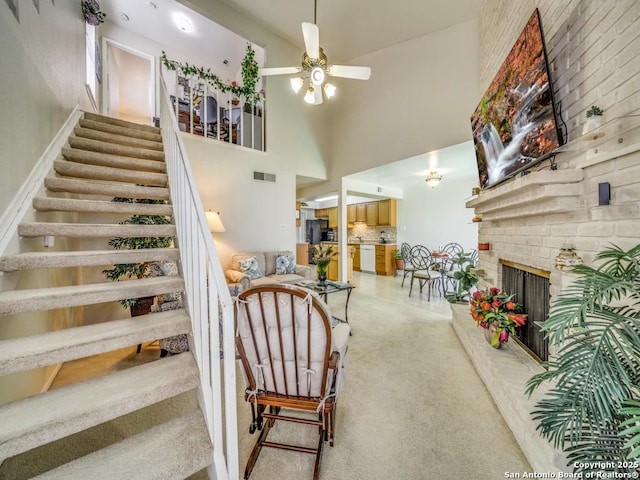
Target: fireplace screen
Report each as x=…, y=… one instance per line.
x=532, y=291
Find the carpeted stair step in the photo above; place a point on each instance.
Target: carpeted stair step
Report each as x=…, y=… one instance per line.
x=85, y=258
x=58, y=413
x=124, y=131
x=32, y=300
x=26, y=353
x=88, y=157
x=72, y=169
x=94, y=230
x=52, y=204
x=121, y=123
x=114, y=149
x=174, y=450
x=116, y=138
x=111, y=189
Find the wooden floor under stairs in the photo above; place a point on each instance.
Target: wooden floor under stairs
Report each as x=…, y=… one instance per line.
x=104, y=158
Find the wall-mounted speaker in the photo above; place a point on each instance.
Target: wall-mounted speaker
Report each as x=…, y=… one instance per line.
x=604, y=193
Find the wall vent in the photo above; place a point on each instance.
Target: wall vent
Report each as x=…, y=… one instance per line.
x=379, y=189
x=264, y=177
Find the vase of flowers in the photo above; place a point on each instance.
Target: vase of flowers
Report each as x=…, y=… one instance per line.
x=322, y=254
x=497, y=314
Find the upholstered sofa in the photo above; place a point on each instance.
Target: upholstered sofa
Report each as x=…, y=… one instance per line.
x=253, y=269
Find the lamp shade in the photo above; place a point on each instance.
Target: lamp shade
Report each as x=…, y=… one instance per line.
x=215, y=224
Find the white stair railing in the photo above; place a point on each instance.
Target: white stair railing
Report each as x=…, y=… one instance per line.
x=208, y=112
x=207, y=300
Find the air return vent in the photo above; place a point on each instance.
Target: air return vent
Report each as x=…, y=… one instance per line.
x=264, y=177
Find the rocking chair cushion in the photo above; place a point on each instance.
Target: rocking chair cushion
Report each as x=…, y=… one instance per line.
x=291, y=358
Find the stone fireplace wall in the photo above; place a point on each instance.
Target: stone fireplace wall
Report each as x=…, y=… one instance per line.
x=594, y=51
x=593, y=48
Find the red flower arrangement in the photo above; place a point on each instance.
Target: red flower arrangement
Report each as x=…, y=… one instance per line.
x=496, y=311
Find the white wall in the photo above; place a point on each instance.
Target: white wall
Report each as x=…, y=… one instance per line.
x=419, y=98
x=257, y=215
x=42, y=72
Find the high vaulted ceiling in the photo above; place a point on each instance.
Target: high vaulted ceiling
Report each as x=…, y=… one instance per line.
x=351, y=28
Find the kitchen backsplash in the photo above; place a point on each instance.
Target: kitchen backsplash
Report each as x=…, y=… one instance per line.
x=362, y=232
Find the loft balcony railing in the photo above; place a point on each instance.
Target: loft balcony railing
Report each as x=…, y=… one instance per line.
x=208, y=112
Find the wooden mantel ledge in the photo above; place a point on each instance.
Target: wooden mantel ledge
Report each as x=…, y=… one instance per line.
x=527, y=182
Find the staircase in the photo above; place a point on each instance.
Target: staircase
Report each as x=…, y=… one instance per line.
x=104, y=158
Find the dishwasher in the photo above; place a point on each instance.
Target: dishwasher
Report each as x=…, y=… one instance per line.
x=368, y=258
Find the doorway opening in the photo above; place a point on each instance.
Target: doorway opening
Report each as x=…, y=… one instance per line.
x=130, y=81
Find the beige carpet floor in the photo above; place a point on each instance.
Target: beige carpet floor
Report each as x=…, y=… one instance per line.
x=412, y=407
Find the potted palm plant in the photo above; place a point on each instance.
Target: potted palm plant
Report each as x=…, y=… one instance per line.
x=592, y=407
x=126, y=271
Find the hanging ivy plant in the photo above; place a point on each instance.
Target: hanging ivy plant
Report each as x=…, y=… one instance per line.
x=250, y=76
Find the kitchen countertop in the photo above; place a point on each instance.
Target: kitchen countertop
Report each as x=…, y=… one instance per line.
x=372, y=243
x=363, y=243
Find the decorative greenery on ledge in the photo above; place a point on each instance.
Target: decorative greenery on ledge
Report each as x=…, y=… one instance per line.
x=250, y=76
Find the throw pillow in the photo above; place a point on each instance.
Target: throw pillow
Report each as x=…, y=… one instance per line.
x=250, y=267
x=285, y=264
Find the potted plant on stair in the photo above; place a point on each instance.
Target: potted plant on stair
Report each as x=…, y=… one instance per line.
x=127, y=271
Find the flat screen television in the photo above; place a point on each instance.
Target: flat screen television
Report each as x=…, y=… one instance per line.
x=514, y=126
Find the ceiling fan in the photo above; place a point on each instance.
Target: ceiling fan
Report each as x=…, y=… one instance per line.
x=316, y=68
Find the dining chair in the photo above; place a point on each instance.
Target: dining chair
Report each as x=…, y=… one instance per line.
x=405, y=251
x=292, y=360
x=453, y=259
x=425, y=274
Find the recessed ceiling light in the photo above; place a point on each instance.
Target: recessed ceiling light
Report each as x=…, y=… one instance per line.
x=183, y=22
x=124, y=16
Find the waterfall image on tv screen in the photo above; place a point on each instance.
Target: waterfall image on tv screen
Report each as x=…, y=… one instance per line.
x=515, y=123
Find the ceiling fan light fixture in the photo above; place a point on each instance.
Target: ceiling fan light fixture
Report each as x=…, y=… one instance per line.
x=317, y=75
x=309, y=96
x=296, y=84
x=329, y=90
x=433, y=179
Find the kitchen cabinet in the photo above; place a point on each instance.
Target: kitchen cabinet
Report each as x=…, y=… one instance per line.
x=361, y=212
x=333, y=217
x=385, y=263
x=356, y=257
x=387, y=212
x=352, y=213
x=372, y=213
x=321, y=212
x=302, y=253
x=333, y=272
x=298, y=207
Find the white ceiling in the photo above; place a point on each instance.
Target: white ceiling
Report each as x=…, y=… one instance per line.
x=453, y=163
x=348, y=29
x=351, y=28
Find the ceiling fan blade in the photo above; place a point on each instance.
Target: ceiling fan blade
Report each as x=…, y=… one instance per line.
x=279, y=71
x=311, y=36
x=317, y=94
x=346, y=71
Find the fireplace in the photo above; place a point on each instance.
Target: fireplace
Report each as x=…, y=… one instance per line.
x=531, y=289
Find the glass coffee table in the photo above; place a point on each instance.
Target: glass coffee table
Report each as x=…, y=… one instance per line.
x=330, y=287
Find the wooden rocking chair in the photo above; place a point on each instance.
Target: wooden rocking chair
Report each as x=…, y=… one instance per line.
x=292, y=359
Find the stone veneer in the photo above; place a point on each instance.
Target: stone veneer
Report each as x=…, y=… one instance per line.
x=593, y=48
